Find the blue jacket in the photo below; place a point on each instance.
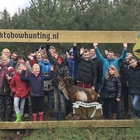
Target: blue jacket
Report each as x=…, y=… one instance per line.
x=72, y=66
x=108, y=62
x=36, y=82
x=45, y=66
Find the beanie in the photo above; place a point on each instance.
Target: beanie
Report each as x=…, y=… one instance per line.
x=11, y=69
x=59, y=59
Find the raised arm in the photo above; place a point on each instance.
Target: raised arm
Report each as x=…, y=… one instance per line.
x=77, y=58
x=99, y=55
x=124, y=52
x=22, y=75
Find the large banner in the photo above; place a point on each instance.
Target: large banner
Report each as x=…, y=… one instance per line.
x=65, y=36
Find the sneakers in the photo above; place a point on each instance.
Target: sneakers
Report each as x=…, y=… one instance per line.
x=26, y=115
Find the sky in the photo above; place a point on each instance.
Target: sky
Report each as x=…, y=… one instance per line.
x=13, y=5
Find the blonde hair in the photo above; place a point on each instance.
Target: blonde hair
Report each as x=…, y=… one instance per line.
x=4, y=57
x=116, y=74
x=35, y=66
x=6, y=49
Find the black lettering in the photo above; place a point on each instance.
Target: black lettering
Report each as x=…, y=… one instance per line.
x=43, y=36
x=48, y=37
x=26, y=35
x=21, y=35
x=1, y=35
x=34, y=36
x=38, y=35
x=30, y=35
x=4, y=35
x=8, y=35
x=12, y=35
x=16, y=35
x=55, y=36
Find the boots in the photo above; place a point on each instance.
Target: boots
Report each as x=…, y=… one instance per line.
x=41, y=116
x=18, y=117
x=114, y=116
x=55, y=116
x=35, y=117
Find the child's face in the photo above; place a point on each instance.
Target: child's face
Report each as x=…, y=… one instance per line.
x=111, y=71
x=36, y=70
x=19, y=70
x=133, y=63
x=45, y=60
x=86, y=56
x=12, y=73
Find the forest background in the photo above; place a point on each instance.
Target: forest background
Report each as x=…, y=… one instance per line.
x=88, y=15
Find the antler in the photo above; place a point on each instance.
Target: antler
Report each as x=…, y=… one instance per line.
x=68, y=81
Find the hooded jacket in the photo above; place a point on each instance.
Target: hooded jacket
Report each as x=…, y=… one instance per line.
x=59, y=69
x=18, y=87
x=35, y=82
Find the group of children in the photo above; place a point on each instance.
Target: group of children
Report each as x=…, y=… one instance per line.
x=17, y=86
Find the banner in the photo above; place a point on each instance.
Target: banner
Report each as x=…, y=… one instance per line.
x=65, y=36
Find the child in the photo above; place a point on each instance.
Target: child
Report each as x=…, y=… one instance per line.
x=111, y=90
x=36, y=80
x=45, y=66
x=20, y=90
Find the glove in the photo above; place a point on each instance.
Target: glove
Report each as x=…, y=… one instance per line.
x=47, y=47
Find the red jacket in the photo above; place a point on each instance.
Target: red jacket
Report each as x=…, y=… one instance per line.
x=19, y=87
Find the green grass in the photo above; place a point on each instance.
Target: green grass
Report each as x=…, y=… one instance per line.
x=89, y=133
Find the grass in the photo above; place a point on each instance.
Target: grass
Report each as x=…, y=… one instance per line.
x=90, y=133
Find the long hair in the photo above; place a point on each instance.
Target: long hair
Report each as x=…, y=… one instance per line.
x=116, y=74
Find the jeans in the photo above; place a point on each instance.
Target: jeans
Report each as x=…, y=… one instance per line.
x=135, y=104
x=49, y=96
x=16, y=105
x=59, y=98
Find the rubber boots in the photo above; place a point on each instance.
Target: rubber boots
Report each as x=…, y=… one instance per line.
x=18, y=117
x=35, y=117
x=41, y=116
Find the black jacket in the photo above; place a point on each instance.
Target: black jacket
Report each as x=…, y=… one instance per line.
x=111, y=87
x=86, y=71
x=133, y=78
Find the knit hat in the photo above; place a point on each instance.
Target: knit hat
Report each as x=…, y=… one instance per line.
x=11, y=69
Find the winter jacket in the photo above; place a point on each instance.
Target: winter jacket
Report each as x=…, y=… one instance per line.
x=86, y=71
x=59, y=70
x=133, y=78
x=4, y=86
x=123, y=68
x=111, y=87
x=18, y=87
x=108, y=62
x=35, y=82
x=44, y=66
x=98, y=67
x=72, y=66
